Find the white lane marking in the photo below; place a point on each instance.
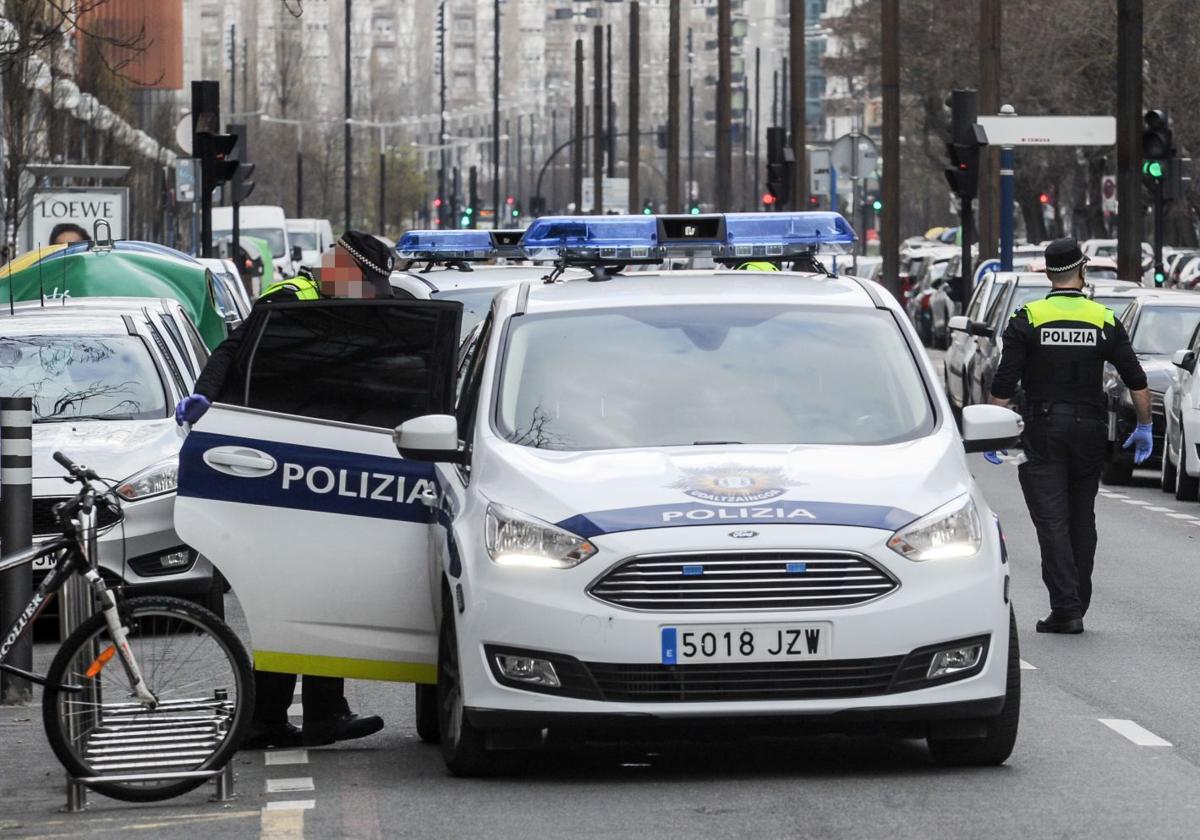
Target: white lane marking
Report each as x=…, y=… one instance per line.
x=1181, y=516
x=1113, y=495
x=292, y=805
x=296, y=710
x=1137, y=734
x=1134, y=502
x=275, y=757
x=290, y=785
x=282, y=823
x=1161, y=509
x=1025, y=666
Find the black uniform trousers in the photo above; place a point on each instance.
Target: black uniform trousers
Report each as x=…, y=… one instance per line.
x=1066, y=448
x=323, y=698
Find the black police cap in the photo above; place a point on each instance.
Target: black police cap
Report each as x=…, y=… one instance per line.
x=372, y=256
x=1063, y=255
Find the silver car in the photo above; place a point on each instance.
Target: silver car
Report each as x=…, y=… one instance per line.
x=105, y=374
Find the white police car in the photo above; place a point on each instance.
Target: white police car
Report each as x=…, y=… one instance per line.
x=660, y=499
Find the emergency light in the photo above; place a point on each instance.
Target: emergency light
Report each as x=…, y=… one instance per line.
x=593, y=240
x=438, y=245
x=775, y=235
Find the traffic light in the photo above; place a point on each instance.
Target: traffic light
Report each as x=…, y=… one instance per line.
x=648, y=207
x=877, y=204
x=963, y=147
x=814, y=202
x=216, y=164
x=1044, y=198
x=1158, y=142
x=240, y=185
x=694, y=208
x=780, y=160
x=768, y=199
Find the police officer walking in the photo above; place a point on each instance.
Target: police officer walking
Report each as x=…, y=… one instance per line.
x=1056, y=349
x=358, y=268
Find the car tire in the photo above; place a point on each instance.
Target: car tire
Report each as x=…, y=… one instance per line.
x=996, y=746
x=214, y=599
x=1187, y=488
x=1167, y=475
x=464, y=747
x=426, y=705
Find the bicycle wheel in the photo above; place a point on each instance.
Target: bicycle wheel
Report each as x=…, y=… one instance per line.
x=192, y=662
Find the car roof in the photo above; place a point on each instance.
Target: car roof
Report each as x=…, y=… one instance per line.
x=722, y=286
x=1169, y=297
x=55, y=321
x=1022, y=278
x=441, y=279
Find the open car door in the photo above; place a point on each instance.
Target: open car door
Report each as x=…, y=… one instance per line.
x=291, y=484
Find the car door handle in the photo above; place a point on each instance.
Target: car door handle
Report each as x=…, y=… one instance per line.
x=240, y=461
x=429, y=498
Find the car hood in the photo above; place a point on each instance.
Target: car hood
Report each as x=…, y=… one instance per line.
x=593, y=493
x=1160, y=371
x=115, y=449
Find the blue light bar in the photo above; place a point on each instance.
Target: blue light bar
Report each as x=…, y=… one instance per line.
x=593, y=240
x=446, y=245
x=774, y=235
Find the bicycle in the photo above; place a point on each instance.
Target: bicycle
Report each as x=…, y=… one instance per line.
x=179, y=703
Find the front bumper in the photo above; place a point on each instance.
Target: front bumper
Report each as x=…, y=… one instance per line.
x=937, y=603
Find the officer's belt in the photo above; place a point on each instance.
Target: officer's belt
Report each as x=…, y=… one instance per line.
x=1046, y=409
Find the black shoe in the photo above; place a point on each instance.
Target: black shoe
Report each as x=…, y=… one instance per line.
x=345, y=727
x=278, y=735
x=1060, y=624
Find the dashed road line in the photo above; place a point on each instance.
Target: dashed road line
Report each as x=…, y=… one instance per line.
x=1025, y=666
x=295, y=785
x=292, y=805
x=1113, y=495
x=1135, y=502
x=276, y=757
x=1133, y=732
x=1161, y=509
x=1181, y=516
x=282, y=823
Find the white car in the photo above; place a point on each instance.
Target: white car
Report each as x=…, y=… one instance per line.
x=665, y=498
x=1181, y=459
x=313, y=237
x=265, y=222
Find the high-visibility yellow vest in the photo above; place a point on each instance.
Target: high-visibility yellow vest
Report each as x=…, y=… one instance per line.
x=1069, y=308
x=304, y=287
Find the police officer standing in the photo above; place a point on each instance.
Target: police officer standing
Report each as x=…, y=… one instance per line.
x=1056, y=349
x=357, y=268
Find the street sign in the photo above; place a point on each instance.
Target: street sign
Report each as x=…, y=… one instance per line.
x=187, y=171
x=1108, y=193
x=1050, y=131
x=78, y=205
x=820, y=163
x=844, y=157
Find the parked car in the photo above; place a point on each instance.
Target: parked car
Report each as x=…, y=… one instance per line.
x=263, y=222
x=962, y=348
x=1159, y=324
x=1180, y=470
x=313, y=237
x=230, y=291
x=1014, y=291
x=104, y=375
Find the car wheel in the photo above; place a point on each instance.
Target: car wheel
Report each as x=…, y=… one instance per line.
x=997, y=745
x=214, y=599
x=1187, y=488
x=464, y=747
x=427, y=713
x=1167, y=477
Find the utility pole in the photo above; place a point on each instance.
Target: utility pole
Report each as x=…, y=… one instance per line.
x=989, y=104
x=245, y=75
x=578, y=145
x=598, y=120
x=1129, y=130
x=444, y=161
x=889, y=234
x=745, y=179
x=756, y=193
x=724, y=179
x=673, y=108
x=496, y=107
x=233, y=68
x=691, y=121
x=349, y=100
x=553, y=172
x=635, y=104
x=610, y=146
x=799, y=102
x=299, y=169
x=382, y=223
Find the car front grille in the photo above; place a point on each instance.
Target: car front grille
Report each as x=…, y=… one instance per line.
x=45, y=524
x=768, y=580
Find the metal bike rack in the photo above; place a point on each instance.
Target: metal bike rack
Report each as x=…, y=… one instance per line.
x=123, y=737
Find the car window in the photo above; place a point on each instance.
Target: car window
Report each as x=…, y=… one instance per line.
x=999, y=293
x=83, y=377
x=193, y=336
x=372, y=363
x=1117, y=304
x=1164, y=329
x=305, y=239
x=471, y=381
x=772, y=375
x=476, y=303
x=167, y=356
x=176, y=335
x=981, y=292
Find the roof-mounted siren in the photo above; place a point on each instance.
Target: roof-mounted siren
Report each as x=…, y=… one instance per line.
x=454, y=248
x=784, y=236
x=596, y=242
x=690, y=236
x=507, y=243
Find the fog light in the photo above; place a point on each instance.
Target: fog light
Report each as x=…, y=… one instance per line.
x=175, y=559
x=526, y=669
x=954, y=660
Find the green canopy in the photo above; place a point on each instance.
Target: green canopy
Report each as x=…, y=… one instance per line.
x=124, y=269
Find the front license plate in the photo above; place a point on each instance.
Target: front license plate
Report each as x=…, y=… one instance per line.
x=692, y=644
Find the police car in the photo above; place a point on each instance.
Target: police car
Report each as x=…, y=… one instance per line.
x=648, y=500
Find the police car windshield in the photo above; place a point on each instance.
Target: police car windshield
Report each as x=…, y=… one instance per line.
x=1164, y=329
x=476, y=303
x=686, y=375
x=82, y=377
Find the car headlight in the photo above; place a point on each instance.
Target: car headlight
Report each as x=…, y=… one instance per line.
x=152, y=481
x=948, y=533
x=516, y=539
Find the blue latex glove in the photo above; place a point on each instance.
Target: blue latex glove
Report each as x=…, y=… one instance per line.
x=1142, y=441
x=191, y=408
x=993, y=457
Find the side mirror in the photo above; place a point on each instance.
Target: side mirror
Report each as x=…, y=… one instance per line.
x=989, y=427
x=980, y=329
x=958, y=323
x=433, y=437
x=1185, y=359
x=297, y=253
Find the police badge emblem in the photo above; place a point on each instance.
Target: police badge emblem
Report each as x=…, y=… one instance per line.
x=732, y=484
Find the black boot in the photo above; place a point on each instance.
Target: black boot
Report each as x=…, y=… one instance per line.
x=262, y=736
x=345, y=727
x=1056, y=623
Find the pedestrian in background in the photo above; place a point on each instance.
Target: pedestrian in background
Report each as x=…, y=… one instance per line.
x=1056, y=349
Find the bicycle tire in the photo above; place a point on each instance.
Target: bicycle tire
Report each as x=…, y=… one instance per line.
x=131, y=610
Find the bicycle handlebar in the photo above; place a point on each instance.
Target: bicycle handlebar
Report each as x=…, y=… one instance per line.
x=79, y=473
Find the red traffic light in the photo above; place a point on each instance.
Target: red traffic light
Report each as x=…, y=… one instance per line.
x=768, y=198
x=437, y=202
x=1044, y=199
x=509, y=201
